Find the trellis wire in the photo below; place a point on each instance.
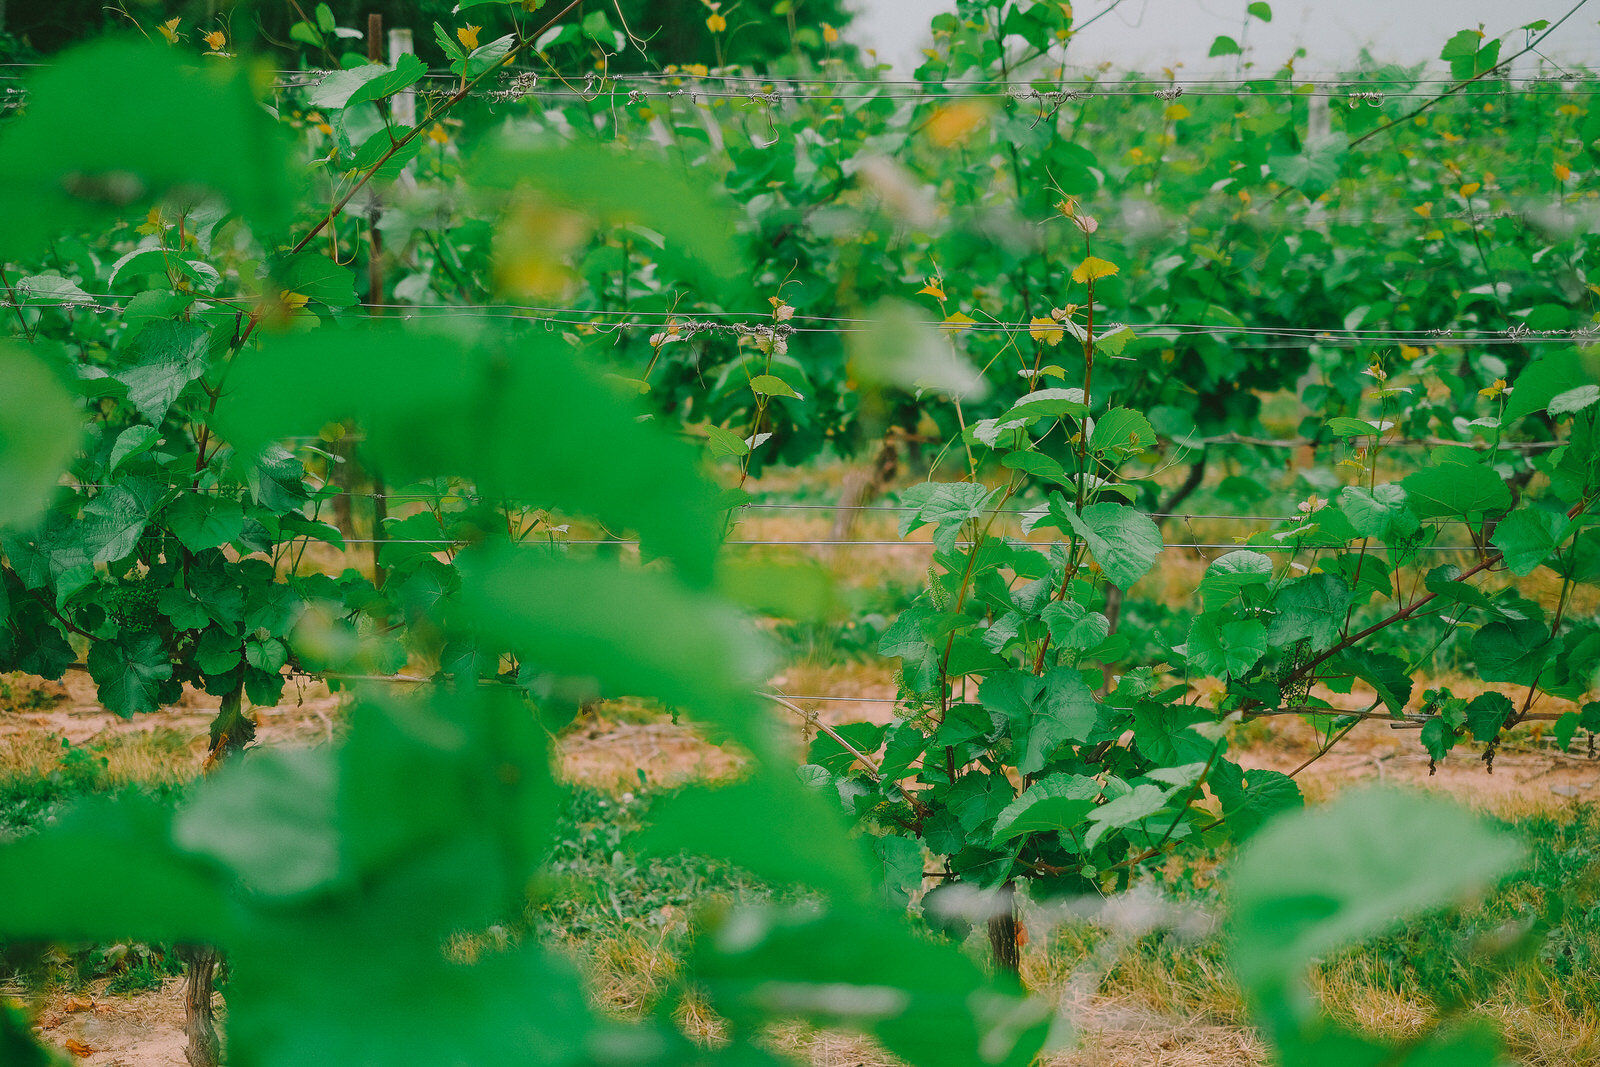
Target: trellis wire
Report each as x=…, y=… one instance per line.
x=888, y=509
x=536, y=541
x=767, y=91
x=758, y=324
x=1052, y=97
x=1570, y=72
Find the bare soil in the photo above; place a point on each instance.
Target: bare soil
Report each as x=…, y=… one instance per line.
x=1523, y=780
x=144, y=1030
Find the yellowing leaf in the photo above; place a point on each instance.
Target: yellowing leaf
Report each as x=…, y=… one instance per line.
x=632, y=385
x=958, y=321
x=953, y=124
x=1175, y=112
x=1425, y=210
x=1470, y=188
x=468, y=36
x=534, y=248
x=1092, y=268
x=1045, y=331
x=934, y=288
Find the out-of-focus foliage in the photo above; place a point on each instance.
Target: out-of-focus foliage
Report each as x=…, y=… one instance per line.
x=1070, y=283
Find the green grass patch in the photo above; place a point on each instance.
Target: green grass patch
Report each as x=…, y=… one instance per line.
x=1543, y=922
x=1529, y=949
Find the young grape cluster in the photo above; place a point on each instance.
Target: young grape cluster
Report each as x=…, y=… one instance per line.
x=132, y=604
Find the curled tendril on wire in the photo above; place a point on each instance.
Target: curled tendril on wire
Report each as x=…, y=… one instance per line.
x=520, y=87
x=1050, y=101
x=770, y=337
x=770, y=99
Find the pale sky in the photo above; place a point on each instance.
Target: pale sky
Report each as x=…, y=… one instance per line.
x=1151, y=34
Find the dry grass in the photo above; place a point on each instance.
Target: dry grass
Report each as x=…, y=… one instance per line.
x=1541, y=1026
x=628, y=969
x=1163, y=1042
x=159, y=756
x=1345, y=991
x=620, y=756
x=1119, y=1038
x=698, y=1022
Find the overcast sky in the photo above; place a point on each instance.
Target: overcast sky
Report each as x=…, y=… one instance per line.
x=1151, y=34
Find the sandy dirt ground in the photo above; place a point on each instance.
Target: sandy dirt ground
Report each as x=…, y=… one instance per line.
x=145, y=1030
x=610, y=750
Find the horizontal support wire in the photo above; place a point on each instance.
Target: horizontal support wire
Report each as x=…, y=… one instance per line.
x=1360, y=90
x=759, y=506
x=686, y=325
x=1405, y=720
x=535, y=541
x=1045, y=92
x=1569, y=72
x=1056, y=78
x=1051, y=98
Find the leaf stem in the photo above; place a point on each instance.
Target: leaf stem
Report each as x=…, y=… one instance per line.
x=11, y=298
x=1458, y=86
x=433, y=115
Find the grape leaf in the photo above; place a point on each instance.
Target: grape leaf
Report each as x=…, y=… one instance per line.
x=128, y=673
x=1123, y=541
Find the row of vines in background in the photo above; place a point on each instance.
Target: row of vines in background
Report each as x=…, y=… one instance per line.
x=636, y=34
x=1062, y=287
